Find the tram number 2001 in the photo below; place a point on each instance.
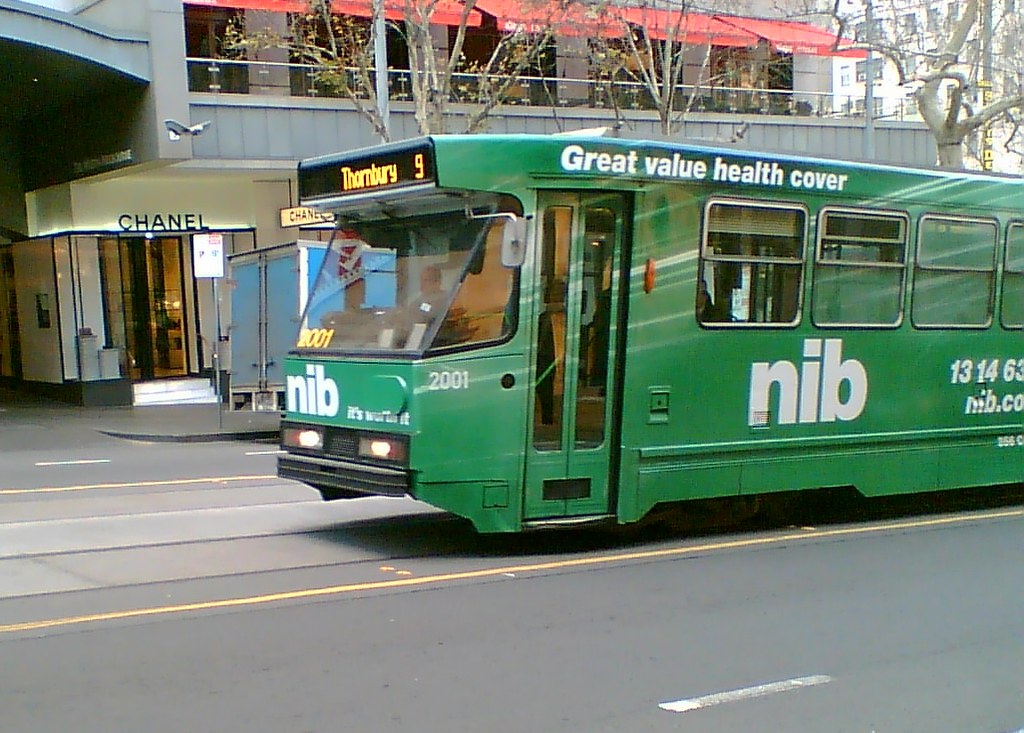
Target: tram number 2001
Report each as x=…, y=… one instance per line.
x=447, y=380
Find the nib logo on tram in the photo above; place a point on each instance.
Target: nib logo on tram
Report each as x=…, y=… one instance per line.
x=313, y=394
x=812, y=394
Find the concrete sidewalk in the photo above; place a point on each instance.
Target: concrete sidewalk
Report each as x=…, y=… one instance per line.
x=21, y=417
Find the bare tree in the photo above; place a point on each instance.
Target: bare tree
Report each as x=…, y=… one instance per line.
x=941, y=63
x=659, y=65
x=340, y=52
x=482, y=83
x=679, y=59
x=649, y=55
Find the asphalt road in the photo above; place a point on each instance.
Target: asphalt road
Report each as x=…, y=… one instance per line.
x=226, y=600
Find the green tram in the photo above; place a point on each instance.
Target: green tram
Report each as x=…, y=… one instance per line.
x=530, y=331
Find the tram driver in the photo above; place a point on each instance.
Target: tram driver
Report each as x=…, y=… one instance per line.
x=707, y=310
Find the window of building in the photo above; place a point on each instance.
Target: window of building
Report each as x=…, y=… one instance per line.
x=876, y=70
x=952, y=16
x=205, y=29
x=859, y=268
x=1013, y=278
x=751, y=263
x=954, y=273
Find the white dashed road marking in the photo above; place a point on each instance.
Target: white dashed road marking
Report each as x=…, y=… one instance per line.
x=73, y=463
x=718, y=698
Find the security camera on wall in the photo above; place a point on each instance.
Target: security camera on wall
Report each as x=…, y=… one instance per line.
x=176, y=130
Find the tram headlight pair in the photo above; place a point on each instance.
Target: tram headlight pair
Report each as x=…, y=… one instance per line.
x=346, y=444
x=306, y=438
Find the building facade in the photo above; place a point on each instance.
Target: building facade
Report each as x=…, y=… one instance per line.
x=133, y=150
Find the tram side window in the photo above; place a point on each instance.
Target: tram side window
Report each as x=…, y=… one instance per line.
x=955, y=272
x=1013, y=278
x=858, y=274
x=751, y=264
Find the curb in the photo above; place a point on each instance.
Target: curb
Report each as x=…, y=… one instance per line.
x=253, y=436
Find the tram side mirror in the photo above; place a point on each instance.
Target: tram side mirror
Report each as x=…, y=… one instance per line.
x=513, y=242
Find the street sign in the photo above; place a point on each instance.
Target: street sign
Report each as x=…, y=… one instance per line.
x=208, y=255
x=303, y=215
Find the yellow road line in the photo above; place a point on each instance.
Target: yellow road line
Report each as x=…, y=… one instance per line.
x=134, y=484
x=337, y=590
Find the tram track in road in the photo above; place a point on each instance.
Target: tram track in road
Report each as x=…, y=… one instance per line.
x=63, y=502
x=177, y=482
x=377, y=575
x=102, y=535
x=188, y=512
x=92, y=535
x=109, y=466
x=281, y=516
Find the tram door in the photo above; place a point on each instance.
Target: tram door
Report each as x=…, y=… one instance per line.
x=571, y=459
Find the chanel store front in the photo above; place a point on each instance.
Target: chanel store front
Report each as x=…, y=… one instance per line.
x=106, y=296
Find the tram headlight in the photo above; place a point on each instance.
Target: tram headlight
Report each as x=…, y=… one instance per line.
x=388, y=448
x=306, y=438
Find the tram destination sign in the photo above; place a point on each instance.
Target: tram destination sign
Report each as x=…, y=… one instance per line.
x=357, y=173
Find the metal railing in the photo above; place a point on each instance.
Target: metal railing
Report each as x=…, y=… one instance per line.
x=229, y=76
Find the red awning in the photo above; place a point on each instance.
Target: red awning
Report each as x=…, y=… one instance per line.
x=789, y=36
x=278, y=6
x=696, y=29
x=442, y=12
x=562, y=19
x=574, y=19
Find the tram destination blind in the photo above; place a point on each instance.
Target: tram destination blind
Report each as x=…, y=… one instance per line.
x=349, y=176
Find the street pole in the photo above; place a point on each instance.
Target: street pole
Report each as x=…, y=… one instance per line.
x=985, y=83
x=869, y=85
x=380, y=62
x=216, y=357
x=208, y=262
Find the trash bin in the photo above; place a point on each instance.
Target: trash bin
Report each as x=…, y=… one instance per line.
x=88, y=357
x=110, y=363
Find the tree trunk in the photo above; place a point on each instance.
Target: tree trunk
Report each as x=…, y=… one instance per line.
x=951, y=152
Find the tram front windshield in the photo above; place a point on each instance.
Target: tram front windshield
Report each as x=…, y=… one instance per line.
x=409, y=284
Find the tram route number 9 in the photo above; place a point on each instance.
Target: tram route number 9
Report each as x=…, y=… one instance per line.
x=437, y=381
x=315, y=338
